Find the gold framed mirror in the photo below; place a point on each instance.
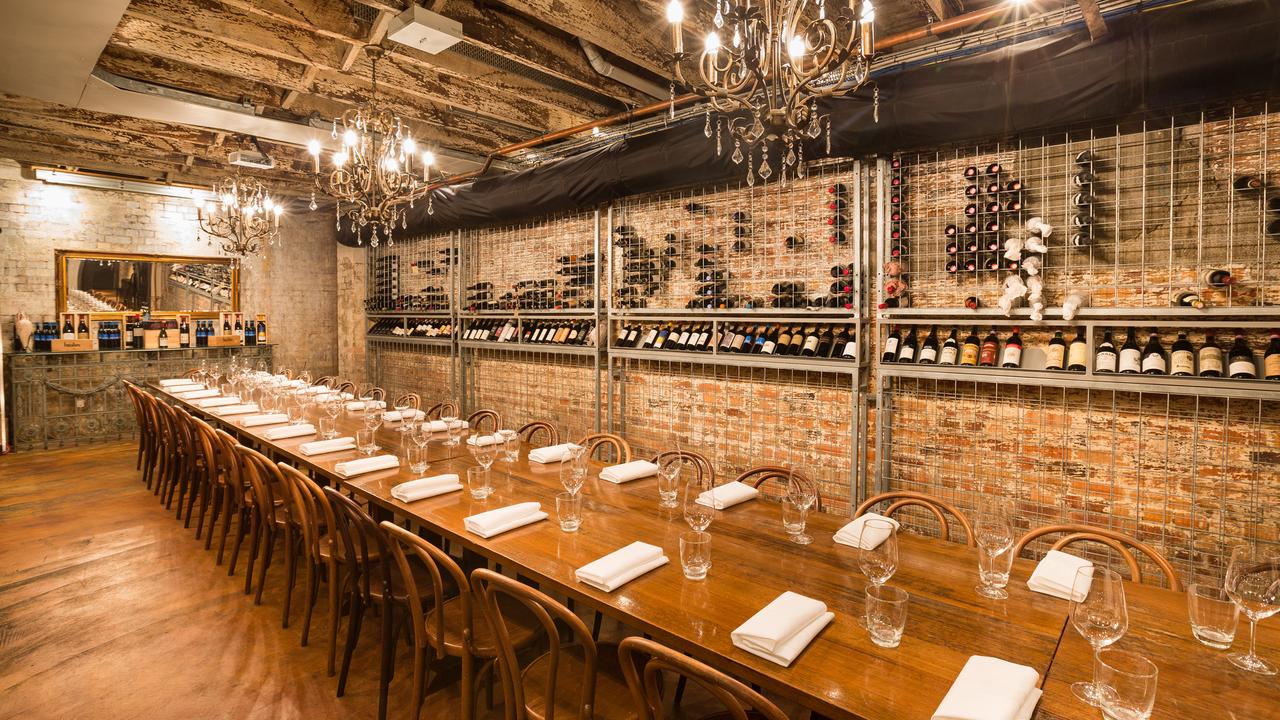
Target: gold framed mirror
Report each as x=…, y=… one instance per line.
x=163, y=285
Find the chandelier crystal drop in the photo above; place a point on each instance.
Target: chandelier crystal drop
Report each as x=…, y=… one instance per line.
x=766, y=63
x=243, y=217
x=378, y=171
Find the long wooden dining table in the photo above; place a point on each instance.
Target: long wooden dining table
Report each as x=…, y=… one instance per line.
x=842, y=674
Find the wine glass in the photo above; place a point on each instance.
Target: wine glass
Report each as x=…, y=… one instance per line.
x=402, y=407
x=305, y=377
x=802, y=495
x=453, y=426
x=668, y=480
x=1253, y=583
x=570, y=479
x=333, y=408
x=1099, y=614
x=993, y=533
x=880, y=562
x=483, y=451
x=698, y=516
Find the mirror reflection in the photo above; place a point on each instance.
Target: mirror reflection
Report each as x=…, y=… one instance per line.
x=119, y=284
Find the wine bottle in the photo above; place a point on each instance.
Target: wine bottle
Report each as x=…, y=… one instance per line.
x=1012, y=356
x=950, y=231
x=1182, y=357
x=1086, y=158
x=184, y=334
x=1188, y=298
x=1271, y=361
x=1242, y=365
x=811, y=341
x=970, y=349
x=250, y=333
x=990, y=349
x=1153, y=358
x=907, y=350
x=973, y=191
x=82, y=330
x=841, y=270
x=929, y=350
x=797, y=340
x=891, y=344
x=793, y=242
x=1247, y=182
x=770, y=344
x=1131, y=354
x=950, y=349
x=1210, y=357
x=994, y=169
x=68, y=330
x=971, y=172
x=1055, y=356
x=762, y=336
x=741, y=218
x=163, y=340
x=1217, y=278
x=849, y=350
x=239, y=329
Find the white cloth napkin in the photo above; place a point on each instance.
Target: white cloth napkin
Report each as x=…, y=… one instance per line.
x=482, y=440
x=727, y=495
x=783, y=628
x=423, y=488
x=174, y=381
x=1055, y=575
x=621, y=566
x=318, y=389
x=351, y=468
x=626, y=472
x=551, y=453
x=394, y=415
x=359, y=404
x=289, y=431
x=185, y=388
x=320, y=447
x=442, y=426
x=496, y=522
x=198, y=394
x=989, y=688
x=326, y=397
x=267, y=419
x=296, y=384
x=241, y=409
x=851, y=534
x=217, y=402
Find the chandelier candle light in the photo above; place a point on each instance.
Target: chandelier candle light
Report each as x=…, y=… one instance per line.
x=374, y=179
x=244, y=216
x=774, y=61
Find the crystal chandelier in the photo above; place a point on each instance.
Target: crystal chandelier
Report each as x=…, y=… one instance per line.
x=373, y=179
x=242, y=215
x=766, y=64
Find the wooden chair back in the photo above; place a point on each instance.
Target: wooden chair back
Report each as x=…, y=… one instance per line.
x=530, y=430
x=404, y=546
x=233, y=470
x=191, y=373
x=410, y=398
x=757, y=476
x=621, y=448
x=489, y=587
x=264, y=483
x=939, y=508
x=345, y=386
x=372, y=391
x=477, y=419
x=706, y=474
x=306, y=511
x=211, y=450
x=644, y=662
x=1117, y=541
x=442, y=409
x=364, y=554
x=325, y=380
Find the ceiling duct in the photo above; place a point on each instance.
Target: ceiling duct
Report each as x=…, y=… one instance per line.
x=626, y=77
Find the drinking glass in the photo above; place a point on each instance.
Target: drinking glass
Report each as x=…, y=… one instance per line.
x=365, y=443
x=268, y=402
x=1099, y=614
x=1253, y=582
x=1214, y=616
x=993, y=532
x=802, y=495
x=483, y=452
x=454, y=428
x=698, y=516
x=285, y=371
x=886, y=614
x=510, y=440
x=227, y=389
x=669, y=481
x=880, y=562
x=793, y=521
x=372, y=418
x=305, y=377
x=402, y=411
x=333, y=408
x=569, y=511
x=328, y=428
x=294, y=408
x=478, y=482
x=570, y=480
x=1128, y=683
x=415, y=456
x=695, y=554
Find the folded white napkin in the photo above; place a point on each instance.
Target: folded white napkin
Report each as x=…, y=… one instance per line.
x=351, y=468
x=1056, y=573
x=217, y=401
x=394, y=415
x=551, y=453
x=326, y=397
x=267, y=419
x=783, y=628
x=296, y=384
x=198, y=394
x=851, y=534
x=174, y=381
x=482, y=440
x=241, y=409
x=289, y=431
x=496, y=522
x=989, y=688
x=441, y=426
x=359, y=404
x=423, y=488
x=626, y=472
x=185, y=388
x=727, y=495
x=320, y=447
x=621, y=566
x=318, y=389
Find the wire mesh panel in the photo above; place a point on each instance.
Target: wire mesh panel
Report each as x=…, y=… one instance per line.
x=407, y=366
x=1190, y=475
x=524, y=386
x=412, y=275
x=548, y=264
x=741, y=417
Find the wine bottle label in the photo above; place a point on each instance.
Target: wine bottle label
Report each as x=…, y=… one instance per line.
x=851, y=351
x=1182, y=362
x=1106, y=362
x=1053, y=357
x=1012, y=355
x=1154, y=362
x=1243, y=367
x=948, y=356
x=891, y=346
x=1271, y=366
x=907, y=353
x=737, y=342
x=988, y=355
x=969, y=354
x=68, y=336
x=928, y=354
x=702, y=339
x=1130, y=360
x=811, y=343
x=649, y=336
x=1078, y=354
x=683, y=339
x=1210, y=360
x=768, y=347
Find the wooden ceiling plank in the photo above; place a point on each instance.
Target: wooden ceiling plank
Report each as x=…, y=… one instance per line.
x=620, y=26
x=37, y=123
x=106, y=121
x=184, y=76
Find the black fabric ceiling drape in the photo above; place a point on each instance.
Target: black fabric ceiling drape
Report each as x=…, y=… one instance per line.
x=1163, y=56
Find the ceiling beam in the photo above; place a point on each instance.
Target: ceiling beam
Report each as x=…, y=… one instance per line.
x=151, y=38
x=622, y=27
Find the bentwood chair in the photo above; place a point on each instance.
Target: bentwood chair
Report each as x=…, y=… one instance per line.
x=209, y=486
x=314, y=515
x=237, y=497
x=272, y=518
x=190, y=476
x=575, y=678
x=410, y=398
x=706, y=474
x=644, y=662
x=450, y=626
x=621, y=449
x=477, y=419
x=172, y=462
x=325, y=380
x=1117, y=541
x=530, y=430
x=757, y=476
x=441, y=409
x=372, y=391
x=346, y=386
x=139, y=414
x=937, y=507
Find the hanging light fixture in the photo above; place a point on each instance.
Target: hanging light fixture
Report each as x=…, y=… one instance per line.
x=379, y=170
x=766, y=64
x=242, y=216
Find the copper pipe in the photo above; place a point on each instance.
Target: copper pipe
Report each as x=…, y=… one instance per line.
x=956, y=23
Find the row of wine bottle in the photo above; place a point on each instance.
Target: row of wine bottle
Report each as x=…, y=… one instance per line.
x=548, y=332
x=1209, y=360
x=413, y=327
x=817, y=341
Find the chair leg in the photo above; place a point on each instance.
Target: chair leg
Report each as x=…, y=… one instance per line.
x=421, y=660
x=226, y=520
x=387, y=667
x=468, y=686
x=242, y=526
x=335, y=613
x=595, y=626
x=313, y=590
x=204, y=489
x=215, y=501
x=353, y=634
x=680, y=690
x=256, y=529
x=290, y=574
x=268, y=548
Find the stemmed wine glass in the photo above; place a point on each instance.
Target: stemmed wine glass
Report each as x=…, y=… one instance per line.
x=305, y=377
x=1100, y=615
x=668, y=479
x=1253, y=583
x=698, y=516
x=372, y=421
x=802, y=495
x=402, y=411
x=333, y=408
x=570, y=479
x=880, y=562
x=993, y=532
x=453, y=427
x=482, y=451
x=510, y=441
